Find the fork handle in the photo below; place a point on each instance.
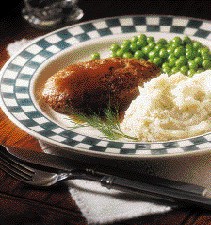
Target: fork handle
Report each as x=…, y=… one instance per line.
x=169, y=194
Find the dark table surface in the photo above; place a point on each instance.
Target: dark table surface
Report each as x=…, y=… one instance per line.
x=26, y=205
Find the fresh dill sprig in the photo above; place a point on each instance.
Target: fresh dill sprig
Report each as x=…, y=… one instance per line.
x=109, y=124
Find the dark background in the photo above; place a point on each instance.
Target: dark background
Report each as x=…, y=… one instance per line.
x=199, y=9
x=12, y=22
x=102, y=8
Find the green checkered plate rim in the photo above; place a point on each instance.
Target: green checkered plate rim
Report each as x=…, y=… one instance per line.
x=17, y=74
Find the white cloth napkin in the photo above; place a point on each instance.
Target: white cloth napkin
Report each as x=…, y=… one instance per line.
x=101, y=206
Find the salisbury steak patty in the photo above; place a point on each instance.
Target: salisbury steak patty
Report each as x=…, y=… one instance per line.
x=93, y=85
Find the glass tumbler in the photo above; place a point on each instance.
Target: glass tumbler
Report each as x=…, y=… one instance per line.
x=51, y=13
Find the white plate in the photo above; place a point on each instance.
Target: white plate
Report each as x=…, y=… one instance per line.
x=23, y=75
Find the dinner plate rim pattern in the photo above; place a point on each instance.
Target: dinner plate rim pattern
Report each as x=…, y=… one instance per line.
x=17, y=73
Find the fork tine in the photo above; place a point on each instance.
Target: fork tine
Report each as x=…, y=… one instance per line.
x=14, y=168
x=10, y=158
x=12, y=173
x=25, y=173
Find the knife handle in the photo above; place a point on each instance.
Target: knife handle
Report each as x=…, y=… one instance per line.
x=181, y=198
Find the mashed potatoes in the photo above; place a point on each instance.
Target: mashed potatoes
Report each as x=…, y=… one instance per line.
x=170, y=108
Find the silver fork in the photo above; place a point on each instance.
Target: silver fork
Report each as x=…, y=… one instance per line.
x=21, y=171
x=168, y=191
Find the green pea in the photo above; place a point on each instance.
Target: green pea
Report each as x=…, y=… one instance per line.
x=177, y=40
x=187, y=40
x=141, y=43
x=167, y=70
x=165, y=64
x=172, y=61
x=206, y=64
x=174, y=45
x=95, y=55
x=192, y=65
x=127, y=55
x=190, y=54
x=183, y=58
x=134, y=39
x=157, y=61
x=162, y=41
x=142, y=37
x=151, y=45
x=158, y=47
x=189, y=47
x=152, y=54
x=119, y=53
x=163, y=53
x=197, y=45
x=146, y=50
x=204, y=50
x=198, y=60
x=139, y=55
x=150, y=39
x=180, y=62
x=133, y=47
x=170, y=50
x=114, y=47
x=179, y=51
x=174, y=70
x=191, y=72
x=206, y=56
x=171, y=56
x=184, y=70
x=125, y=46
